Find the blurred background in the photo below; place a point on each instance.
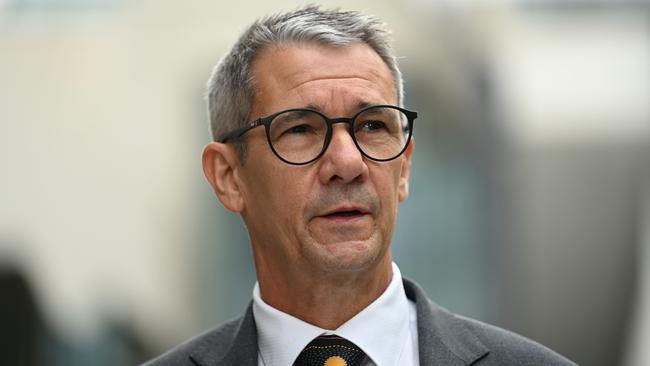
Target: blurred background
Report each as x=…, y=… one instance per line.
x=530, y=190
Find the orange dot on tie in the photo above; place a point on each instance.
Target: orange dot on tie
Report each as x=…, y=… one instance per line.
x=335, y=361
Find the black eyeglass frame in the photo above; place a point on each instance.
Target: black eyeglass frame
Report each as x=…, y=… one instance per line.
x=266, y=122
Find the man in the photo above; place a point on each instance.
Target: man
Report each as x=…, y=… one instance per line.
x=313, y=150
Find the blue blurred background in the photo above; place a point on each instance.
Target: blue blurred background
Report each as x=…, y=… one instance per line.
x=530, y=190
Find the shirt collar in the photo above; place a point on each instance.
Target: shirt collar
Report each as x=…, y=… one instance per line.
x=378, y=329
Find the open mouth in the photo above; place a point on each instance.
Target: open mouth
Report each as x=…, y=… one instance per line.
x=344, y=214
x=350, y=213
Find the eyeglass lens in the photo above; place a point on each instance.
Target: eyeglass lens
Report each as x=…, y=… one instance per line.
x=299, y=136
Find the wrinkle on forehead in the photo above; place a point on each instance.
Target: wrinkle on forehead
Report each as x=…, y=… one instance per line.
x=298, y=75
x=328, y=78
x=347, y=96
x=374, y=75
x=361, y=104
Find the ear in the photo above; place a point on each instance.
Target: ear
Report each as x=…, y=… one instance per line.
x=403, y=188
x=221, y=167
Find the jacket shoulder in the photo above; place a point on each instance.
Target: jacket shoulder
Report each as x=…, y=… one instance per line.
x=508, y=348
x=220, y=337
x=450, y=339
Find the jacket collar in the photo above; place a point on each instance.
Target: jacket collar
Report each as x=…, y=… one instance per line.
x=235, y=343
x=443, y=339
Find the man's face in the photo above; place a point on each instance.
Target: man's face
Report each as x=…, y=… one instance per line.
x=337, y=213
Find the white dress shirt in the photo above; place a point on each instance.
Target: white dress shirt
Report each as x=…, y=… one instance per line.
x=386, y=330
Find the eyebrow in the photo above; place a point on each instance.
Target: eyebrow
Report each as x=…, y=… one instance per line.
x=378, y=112
x=294, y=115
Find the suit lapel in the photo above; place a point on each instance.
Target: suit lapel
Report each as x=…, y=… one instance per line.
x=443, y=339
x=236, y=344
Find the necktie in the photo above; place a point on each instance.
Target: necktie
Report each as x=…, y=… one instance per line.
x=330, y=350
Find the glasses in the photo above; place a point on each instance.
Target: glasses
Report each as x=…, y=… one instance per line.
x=300, y=136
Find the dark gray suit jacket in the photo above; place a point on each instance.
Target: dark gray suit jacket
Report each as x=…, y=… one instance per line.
x=443, y=339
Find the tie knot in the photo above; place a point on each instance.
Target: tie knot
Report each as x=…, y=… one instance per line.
x=330, y=350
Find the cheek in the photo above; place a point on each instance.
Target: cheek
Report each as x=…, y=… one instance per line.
x=386, y=184
x=390, y=180
x=286, y=192
x=272, y=209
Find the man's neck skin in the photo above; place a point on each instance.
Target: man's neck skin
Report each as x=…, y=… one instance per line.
x=325, y=300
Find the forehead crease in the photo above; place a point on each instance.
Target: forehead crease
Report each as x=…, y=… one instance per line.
x=351, y=89
x=330, y=78
x=353, y=102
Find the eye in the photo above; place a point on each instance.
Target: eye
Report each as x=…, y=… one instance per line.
x=299, y=129
x=372, y=125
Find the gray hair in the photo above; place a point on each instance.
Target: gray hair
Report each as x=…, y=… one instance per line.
x=231, y=90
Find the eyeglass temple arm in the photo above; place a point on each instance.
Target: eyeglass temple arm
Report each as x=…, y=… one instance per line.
x=240, y=131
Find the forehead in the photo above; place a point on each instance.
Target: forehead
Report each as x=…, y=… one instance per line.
x=326, y=77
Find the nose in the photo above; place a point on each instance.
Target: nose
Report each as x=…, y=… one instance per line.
x=342, y=161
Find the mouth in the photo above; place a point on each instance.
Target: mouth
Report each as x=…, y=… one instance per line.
x=345, y=213
x=343, y=223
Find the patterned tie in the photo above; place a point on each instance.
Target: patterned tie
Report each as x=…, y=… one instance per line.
x=330, y=350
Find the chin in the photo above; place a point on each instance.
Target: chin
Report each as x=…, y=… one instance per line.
x=348, y=256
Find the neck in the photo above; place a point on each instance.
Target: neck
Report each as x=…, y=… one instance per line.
x=326, y=300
